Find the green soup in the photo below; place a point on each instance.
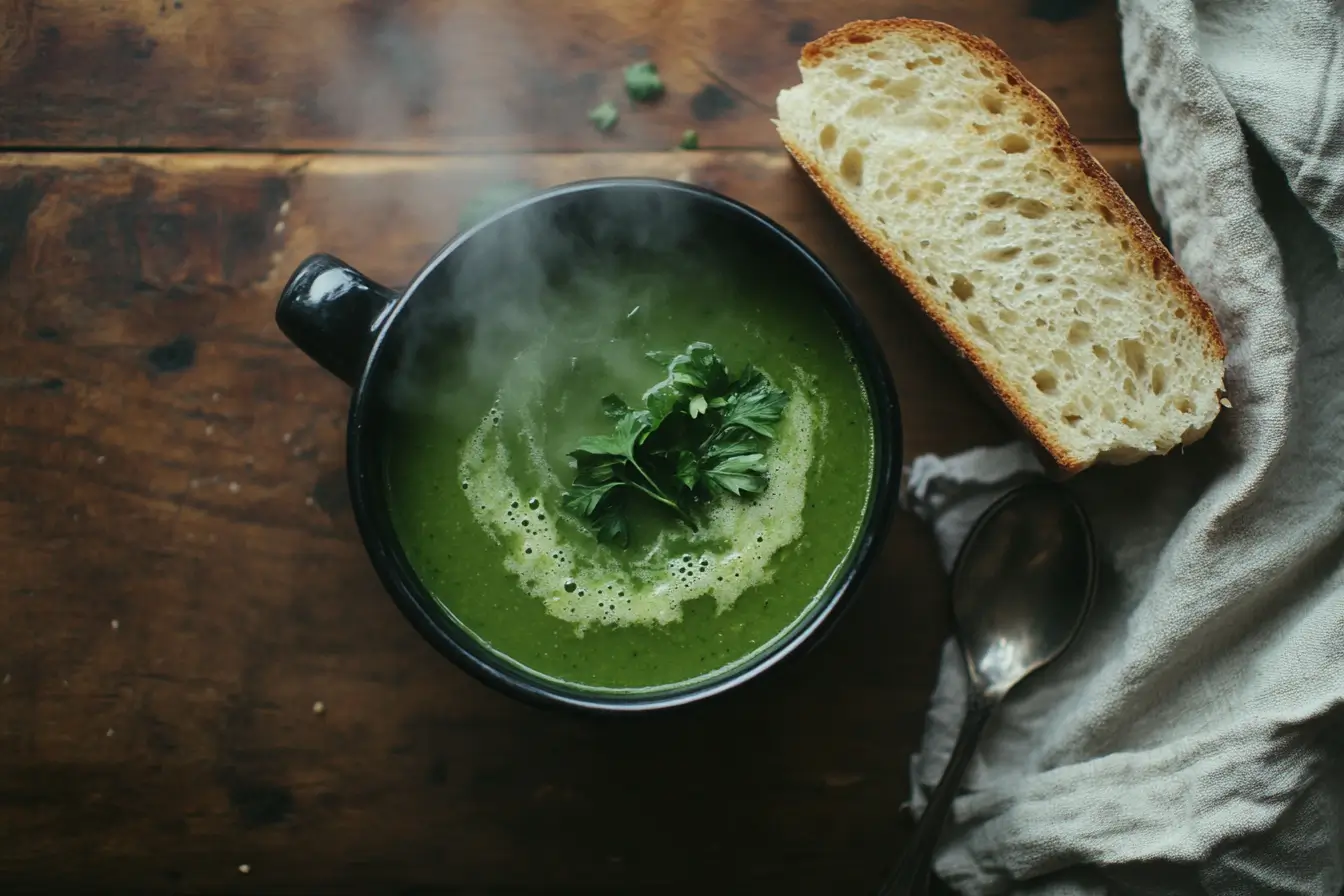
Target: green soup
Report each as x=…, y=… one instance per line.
x=477, y=460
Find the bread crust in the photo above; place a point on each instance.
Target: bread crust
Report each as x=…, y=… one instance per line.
x=1099, y=187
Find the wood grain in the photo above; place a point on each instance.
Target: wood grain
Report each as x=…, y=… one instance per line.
x=475, y=75
x=183, y=578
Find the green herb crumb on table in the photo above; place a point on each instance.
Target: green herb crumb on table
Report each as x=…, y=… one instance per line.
x=642, y=83
x=701, y=436
x=604, y=116
x=689, y=140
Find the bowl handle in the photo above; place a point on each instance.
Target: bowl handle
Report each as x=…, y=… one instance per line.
x=333, y=312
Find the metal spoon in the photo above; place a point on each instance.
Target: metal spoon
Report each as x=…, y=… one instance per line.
x=1020, y=588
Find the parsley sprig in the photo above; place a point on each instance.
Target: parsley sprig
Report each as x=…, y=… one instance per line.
x=701, y=435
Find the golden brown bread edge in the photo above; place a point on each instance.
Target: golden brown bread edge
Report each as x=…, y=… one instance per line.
x=1066, y=148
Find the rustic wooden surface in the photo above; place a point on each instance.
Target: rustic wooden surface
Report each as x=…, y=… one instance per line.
x=475, y=74
x=180, y=577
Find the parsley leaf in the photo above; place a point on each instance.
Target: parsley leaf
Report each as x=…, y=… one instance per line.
x=583, y=499
x=609, y=524
x=629, y=430
x=755, y=403
x=739, y=474
x=701, y=436
x=614, y=408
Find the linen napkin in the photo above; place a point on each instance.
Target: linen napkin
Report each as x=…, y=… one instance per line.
x=1192, y=739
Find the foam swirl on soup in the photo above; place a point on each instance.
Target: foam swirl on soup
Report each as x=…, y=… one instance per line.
x=579, y=581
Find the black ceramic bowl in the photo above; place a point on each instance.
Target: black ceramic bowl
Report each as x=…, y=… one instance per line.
x=359, y=331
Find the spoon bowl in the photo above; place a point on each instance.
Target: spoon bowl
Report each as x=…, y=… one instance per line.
x=1021, y=587
x=1022, y=584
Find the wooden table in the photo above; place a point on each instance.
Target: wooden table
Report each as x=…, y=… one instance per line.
x=180, y=577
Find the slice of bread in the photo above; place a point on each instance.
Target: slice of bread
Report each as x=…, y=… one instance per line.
x=1029, y=257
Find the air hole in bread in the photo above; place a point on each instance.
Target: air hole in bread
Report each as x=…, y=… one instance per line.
x=851, y=166
x=1130, y=389
x=1041, y=323
x=978, y=325
x=1045, y=279
x=923, y=244
x=1079, y=332
x=875, y=55
x=1009, y=316
x=979, y=128
x=1072, y=419
x=1032, y=208
x=1069, y=295
x=992, y=103
x=1110, y=304
x=986, y=71
x=1159, y=269
x=937, y=187
x=1019, y=286
x=1180, y=313
x=879, y=82
x=913, y=64
x=996, y=227
x=997, y=199
x=1106, y=214
x=1102, y=353
x=1028, y=119
x=849, y=72
x=1045, y=260
x=868, y=107
x=1069, y=189
x=962, y=288
x=861, y=39
x=934, y=121
x=1184, y=406
x=1132, y=351
x=1062, y=358
x=828, y=136
x=1002, y=88
x=931, y=280
x=909, y=259
x=1046, y=381
x=1059, y=154
x=936, y=60
x=989, y=164
x=1005, y=253
x=1108, y=411
x=1124, y=245
x=1159, y=379
x=1014, y=143
x=1128, y=422
x=903, y=88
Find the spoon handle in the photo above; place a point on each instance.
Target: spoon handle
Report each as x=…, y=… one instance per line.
x=911, y=874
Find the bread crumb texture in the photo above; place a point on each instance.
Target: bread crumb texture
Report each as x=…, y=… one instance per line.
x=966, y=181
